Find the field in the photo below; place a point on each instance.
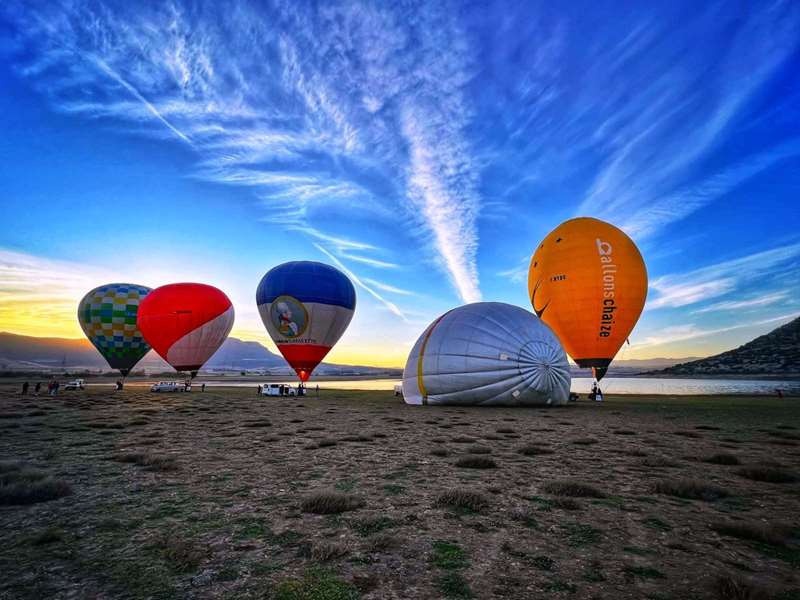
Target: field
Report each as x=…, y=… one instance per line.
x=223, y=494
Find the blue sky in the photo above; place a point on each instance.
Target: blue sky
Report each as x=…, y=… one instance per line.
x=426, y=148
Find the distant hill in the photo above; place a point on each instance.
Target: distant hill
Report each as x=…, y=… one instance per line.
x=775, y=353
x=27, y=353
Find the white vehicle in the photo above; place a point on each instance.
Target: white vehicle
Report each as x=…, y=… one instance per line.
x=170, y=386
x=75, y=384
x=277, y=389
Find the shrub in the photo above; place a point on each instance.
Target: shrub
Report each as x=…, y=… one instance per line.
x=329, y=502
x=476, y=462
x=462, y=499
x=690, y=489
x=573, y=489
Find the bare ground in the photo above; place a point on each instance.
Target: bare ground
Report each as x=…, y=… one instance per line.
x=224, y=494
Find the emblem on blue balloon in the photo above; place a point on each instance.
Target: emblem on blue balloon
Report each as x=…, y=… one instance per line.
x=289, y=316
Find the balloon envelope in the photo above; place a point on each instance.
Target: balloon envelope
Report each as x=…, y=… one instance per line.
x=487, y=353
x=186, y=323
x=306, y=307
x=587, y=281
x=107, y=315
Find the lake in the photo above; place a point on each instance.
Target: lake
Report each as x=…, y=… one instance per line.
x=609, y=385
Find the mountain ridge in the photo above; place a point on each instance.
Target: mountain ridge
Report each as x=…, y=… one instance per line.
x=22, y=352
x=774, y=353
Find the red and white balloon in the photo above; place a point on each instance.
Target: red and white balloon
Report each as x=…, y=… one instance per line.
x=185, y=323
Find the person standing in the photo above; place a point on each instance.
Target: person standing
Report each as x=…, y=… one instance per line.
x=25, y=388
x=37, y=388
x=56, y=385
x=202, y=387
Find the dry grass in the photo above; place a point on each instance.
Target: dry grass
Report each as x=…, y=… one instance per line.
x=330, y=502
x=572, y=489
x=690, y=489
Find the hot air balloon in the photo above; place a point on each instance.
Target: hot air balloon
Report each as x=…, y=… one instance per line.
x=186, y=323
x=487, y=353
x=107, y=315
x=587, y=281
x=306, y=307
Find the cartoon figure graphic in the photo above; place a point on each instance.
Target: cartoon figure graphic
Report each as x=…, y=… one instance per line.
x=286, y=325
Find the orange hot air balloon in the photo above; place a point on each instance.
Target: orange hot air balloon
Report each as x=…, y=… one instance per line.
x=588, y=282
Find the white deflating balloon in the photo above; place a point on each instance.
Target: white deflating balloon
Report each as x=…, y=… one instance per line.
x=487, y=353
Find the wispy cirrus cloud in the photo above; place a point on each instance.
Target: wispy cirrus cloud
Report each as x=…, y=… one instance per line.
x=390, y=306
x=746, y=304
x=716, y=280
x=308, y=106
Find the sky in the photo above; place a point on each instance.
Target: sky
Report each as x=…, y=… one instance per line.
x=424, y=148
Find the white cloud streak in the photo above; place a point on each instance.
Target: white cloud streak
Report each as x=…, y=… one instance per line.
x=391, y=306
x=682, y=333
x=716, y=280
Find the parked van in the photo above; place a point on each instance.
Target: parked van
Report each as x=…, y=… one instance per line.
x=170, y=386
x=277, y=389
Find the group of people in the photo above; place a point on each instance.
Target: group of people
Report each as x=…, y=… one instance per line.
x=596, y=394
x=52, y=388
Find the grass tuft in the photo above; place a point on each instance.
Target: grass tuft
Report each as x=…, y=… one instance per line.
x=329, y=502
x=722, y=458
x=572, y=489
x=151, y=462
x=476, y=462
x=768, y=474
x=690, y=489
x=728, y=587
x=534, y=450
x=316, y=584
x=447, y=555
x=462, y=499
x=20, y=485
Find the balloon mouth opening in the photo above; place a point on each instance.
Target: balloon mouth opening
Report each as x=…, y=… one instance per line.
x=303, y=375
x=599, y=366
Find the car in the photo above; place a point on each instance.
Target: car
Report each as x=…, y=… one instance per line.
x=277, y=389
x=75, y=384
x=170, y=386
